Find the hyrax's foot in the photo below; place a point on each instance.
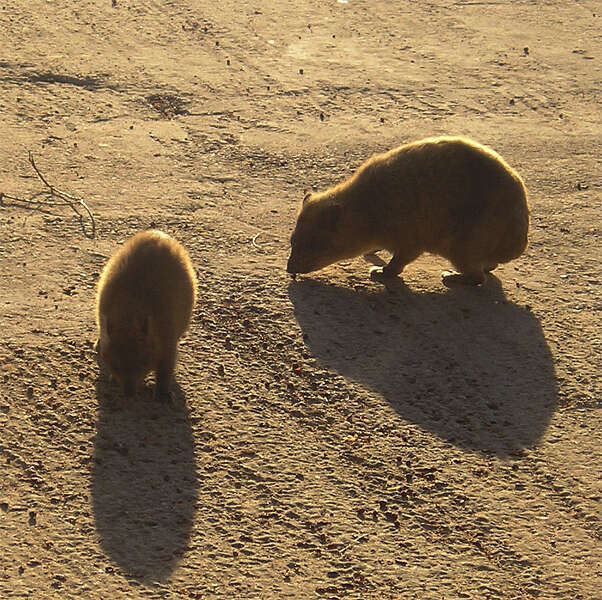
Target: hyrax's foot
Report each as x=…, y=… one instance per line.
x=97, y=345
x=391, y=270
x=381, y=274
x=163, y=388
x=451, y=278
x=163, y=395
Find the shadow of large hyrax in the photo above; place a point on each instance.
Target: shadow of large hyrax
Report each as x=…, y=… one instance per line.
x=462, y=363
x=144, y=486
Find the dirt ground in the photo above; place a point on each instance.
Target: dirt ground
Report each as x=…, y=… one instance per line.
x=330, y=438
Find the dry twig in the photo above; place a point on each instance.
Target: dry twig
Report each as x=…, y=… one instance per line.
x=54, y=197
x=254, y=242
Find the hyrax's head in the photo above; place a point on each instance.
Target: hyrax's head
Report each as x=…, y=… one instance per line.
x=127, y=349
x=319, y=238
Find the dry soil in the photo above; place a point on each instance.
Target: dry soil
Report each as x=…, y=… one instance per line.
x=330, y=438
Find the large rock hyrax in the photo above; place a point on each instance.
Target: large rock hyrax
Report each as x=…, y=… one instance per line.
x=448, y=195
x=144, y=302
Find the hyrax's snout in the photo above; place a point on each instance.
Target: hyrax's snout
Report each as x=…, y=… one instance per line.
x=290, y=266
x=297, y=265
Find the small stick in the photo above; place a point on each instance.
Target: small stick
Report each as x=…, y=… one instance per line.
x=254, y=241
x=65, y=199
x=359, y=538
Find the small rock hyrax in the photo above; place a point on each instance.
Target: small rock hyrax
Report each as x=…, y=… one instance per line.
x=144, y=301
x=447, y=195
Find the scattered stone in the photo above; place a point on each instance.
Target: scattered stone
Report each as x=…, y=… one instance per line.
x=391, y=517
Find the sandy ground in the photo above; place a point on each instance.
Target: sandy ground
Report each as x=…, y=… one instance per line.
x=330, y=438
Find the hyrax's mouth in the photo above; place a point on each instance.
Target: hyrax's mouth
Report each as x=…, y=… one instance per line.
x=294, y=268
x=291, y=266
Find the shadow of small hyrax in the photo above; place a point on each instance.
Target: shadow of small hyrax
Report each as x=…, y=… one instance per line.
x=145, y=297
x=449, y=196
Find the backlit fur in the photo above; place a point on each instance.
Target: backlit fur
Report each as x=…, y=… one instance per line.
x=144, y=302
x=448, y=195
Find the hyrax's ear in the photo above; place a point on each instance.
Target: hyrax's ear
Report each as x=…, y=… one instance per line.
x=306, y=198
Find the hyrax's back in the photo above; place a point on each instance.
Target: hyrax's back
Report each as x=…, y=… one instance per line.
x=455, y=198
x=454, y=179
x=151, y=273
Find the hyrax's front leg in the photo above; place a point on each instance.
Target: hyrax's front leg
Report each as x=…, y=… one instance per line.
x=164, y=374
x=396, y=265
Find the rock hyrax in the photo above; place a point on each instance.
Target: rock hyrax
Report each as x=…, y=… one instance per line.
x=447, y=195
x=145, y=297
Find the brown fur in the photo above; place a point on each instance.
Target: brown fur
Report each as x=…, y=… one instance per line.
x=449, y=196
x=144, y=301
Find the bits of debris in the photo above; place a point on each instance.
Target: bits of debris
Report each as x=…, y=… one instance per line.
x=168, y=105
